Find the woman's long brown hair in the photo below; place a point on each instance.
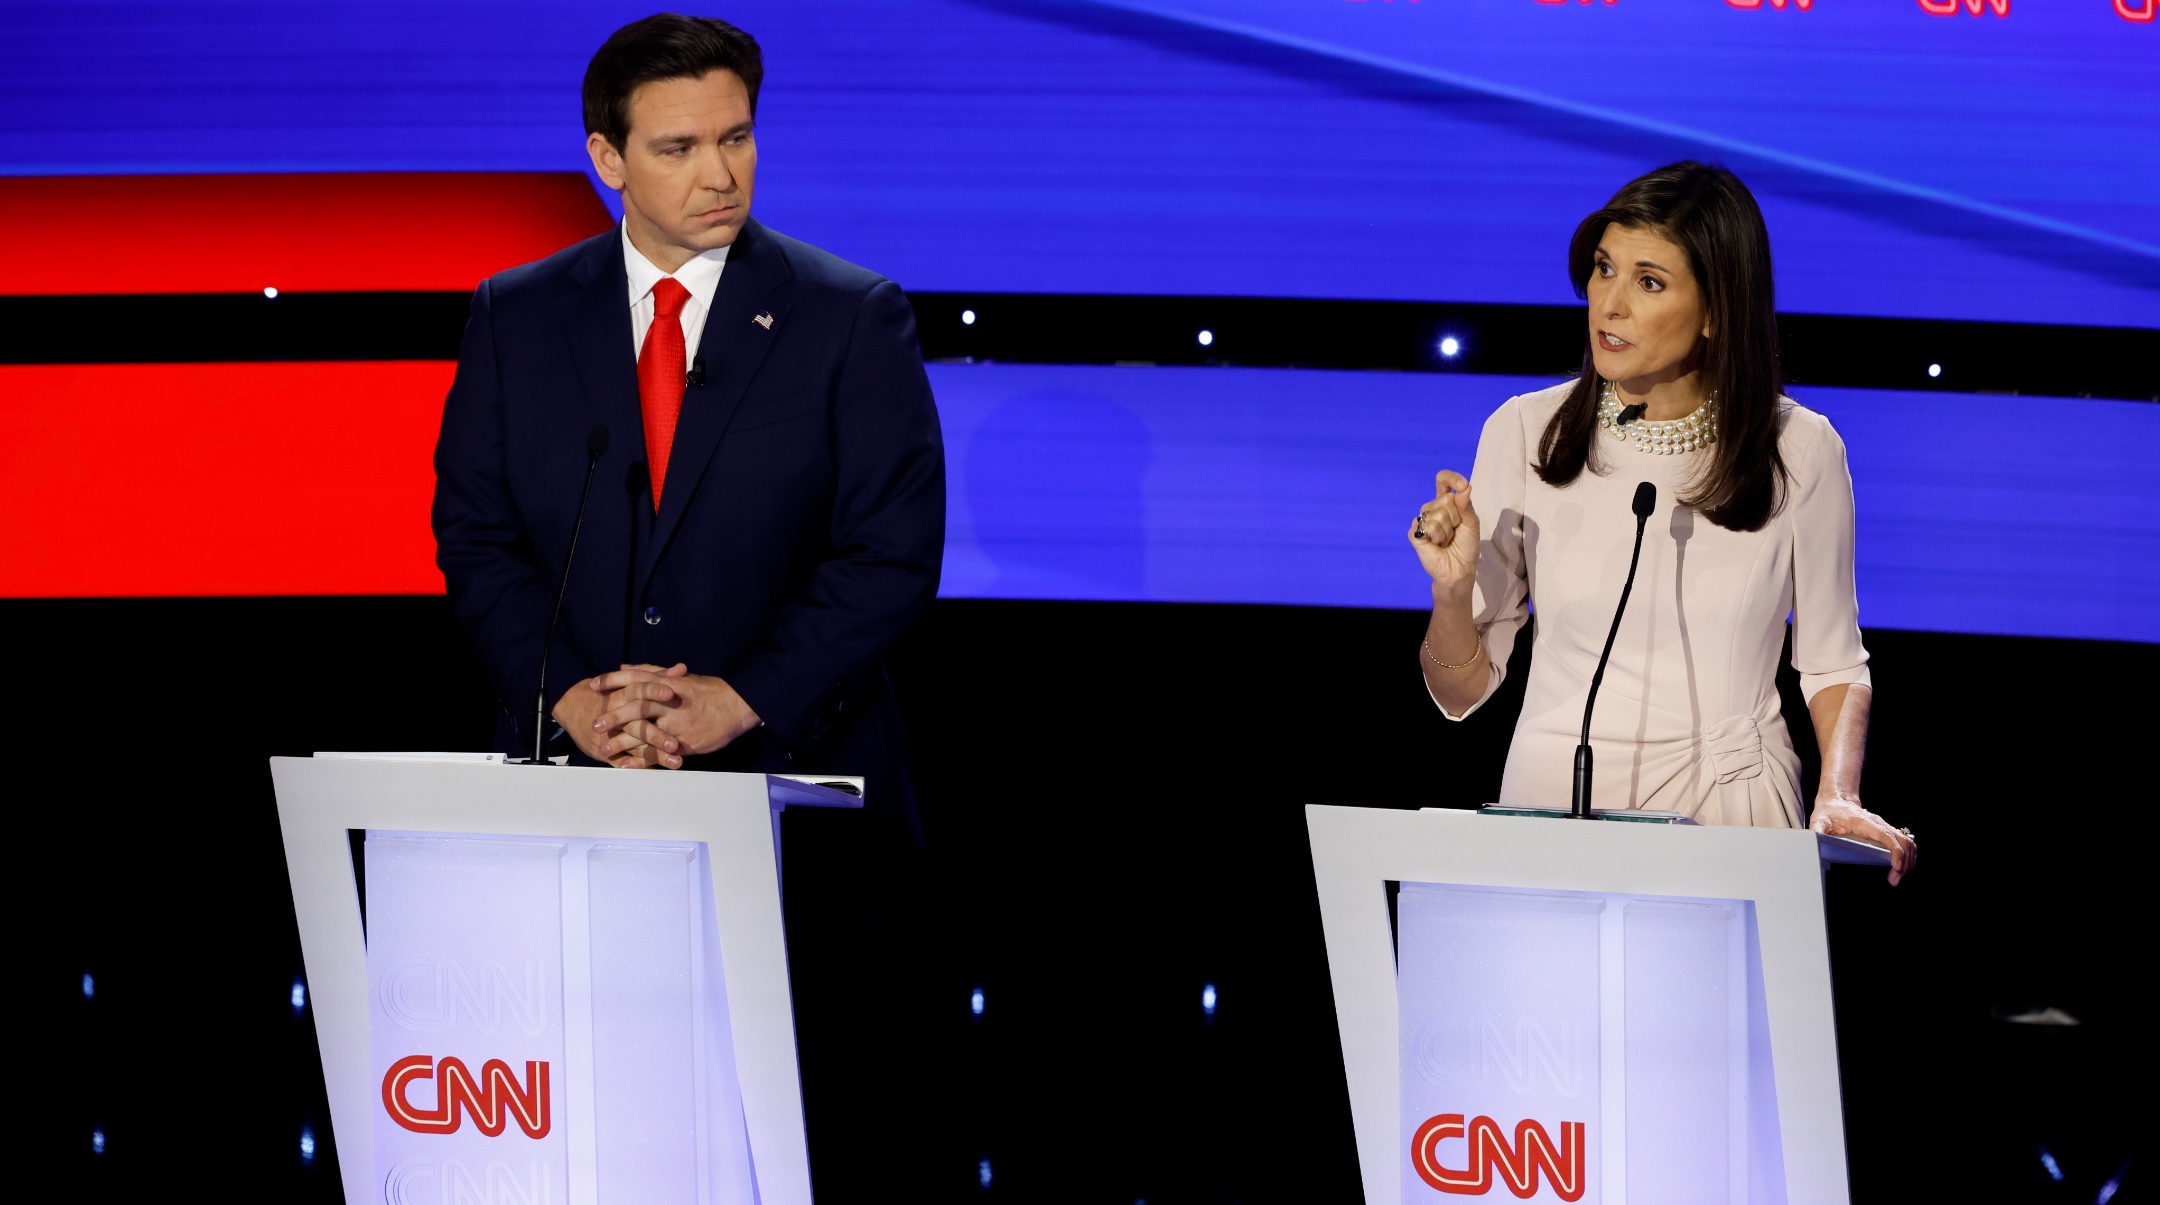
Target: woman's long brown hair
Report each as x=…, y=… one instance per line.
x=1711, y=215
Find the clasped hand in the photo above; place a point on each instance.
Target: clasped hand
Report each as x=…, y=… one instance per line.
x=644, y=717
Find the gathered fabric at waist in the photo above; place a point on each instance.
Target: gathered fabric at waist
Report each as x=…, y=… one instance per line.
x=1736, y=769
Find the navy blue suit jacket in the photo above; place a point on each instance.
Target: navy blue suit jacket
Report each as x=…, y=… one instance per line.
x=802, y=522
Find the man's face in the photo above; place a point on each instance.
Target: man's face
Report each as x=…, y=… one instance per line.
x=686, y=169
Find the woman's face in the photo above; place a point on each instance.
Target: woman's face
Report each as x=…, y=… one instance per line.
x=1647, y=319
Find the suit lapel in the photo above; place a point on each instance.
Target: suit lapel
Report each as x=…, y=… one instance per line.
x=748, y=311
x=596, y=321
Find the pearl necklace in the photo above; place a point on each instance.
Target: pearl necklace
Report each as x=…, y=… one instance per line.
x=1667, y=438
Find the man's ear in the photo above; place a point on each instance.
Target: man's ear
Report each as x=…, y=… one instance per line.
x=606, y=160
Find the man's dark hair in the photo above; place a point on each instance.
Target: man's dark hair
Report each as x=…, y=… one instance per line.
x=1710, y=214
x=662, y=46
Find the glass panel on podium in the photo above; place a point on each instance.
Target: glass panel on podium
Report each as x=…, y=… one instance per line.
x=1582, y=1046
x=522, y=985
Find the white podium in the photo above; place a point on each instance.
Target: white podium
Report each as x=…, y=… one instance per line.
x=1596, y=1011
x=546, y=985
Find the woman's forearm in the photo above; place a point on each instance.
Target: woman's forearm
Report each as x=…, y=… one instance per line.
x=1453, y=655
x=1841, y=725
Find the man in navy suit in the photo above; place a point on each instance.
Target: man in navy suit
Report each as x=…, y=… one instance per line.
x=768, y=515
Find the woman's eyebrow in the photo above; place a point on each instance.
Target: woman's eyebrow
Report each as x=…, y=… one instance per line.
x=1651, y=263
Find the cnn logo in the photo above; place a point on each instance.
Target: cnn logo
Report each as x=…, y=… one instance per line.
x=1520, y=1163
x=491, y=1100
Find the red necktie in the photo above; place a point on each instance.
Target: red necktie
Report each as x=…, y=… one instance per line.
x=660, y=371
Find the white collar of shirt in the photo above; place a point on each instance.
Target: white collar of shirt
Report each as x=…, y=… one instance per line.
x=701, y=276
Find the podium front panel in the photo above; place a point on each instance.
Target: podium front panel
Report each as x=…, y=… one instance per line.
x=547, y=985
x=1582, y=1046
x=575, y=966
x=1551, y=1010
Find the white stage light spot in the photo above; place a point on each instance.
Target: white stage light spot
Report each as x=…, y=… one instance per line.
x=1934, y=370
x=1449, y=346
x=270, y=293
x=967, y=317
x=1207, y=338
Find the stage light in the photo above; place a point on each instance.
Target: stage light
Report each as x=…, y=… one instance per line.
x=967, y=317
x=1207, y=999
x=1934, y=370
x=307, y=1143
x=1207, y=338
x=89, y=986
x=982, y=1173
x=975, y=1002
x=299, y=994
x=270, y=293
x=2054, y=1169
x=2113, y=1186
x=1450, y=346
x=97, y=1142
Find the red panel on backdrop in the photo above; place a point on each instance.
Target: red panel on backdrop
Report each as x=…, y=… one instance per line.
x=219, y=479
x=348, y=232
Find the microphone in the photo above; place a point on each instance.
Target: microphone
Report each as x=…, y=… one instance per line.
x=1629, y=414
x=696, y=375
x=1579, y=807
x=636, y=482
x=596, y=442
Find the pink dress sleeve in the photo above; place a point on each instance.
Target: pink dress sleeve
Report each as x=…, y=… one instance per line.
x=1826, y=647
x=1500, y=602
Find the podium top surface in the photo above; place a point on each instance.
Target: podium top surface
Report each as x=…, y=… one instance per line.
x=783, y=790
x=1844, y=851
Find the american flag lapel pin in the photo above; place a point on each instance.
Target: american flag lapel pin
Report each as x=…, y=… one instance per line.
x=764, y=319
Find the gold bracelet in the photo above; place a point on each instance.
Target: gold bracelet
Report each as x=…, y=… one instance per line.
x=1426, y=644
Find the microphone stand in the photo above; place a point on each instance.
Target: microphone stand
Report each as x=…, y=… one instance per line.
x=635, y=483
x=1579, y=806
x=596, y=442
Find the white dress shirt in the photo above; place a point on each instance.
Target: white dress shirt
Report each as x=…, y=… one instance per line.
x=701, y=276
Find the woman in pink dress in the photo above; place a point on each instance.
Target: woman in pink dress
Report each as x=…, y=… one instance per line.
x=1754, y=524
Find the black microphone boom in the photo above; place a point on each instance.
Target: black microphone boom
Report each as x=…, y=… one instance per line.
x=1579, y=806
x=596, y=442
x=635, y=482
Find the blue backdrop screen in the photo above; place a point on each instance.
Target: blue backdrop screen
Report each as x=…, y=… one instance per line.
x=2000, y=161
x=1964, y=159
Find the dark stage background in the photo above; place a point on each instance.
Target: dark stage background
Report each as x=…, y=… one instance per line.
x=1112, y=795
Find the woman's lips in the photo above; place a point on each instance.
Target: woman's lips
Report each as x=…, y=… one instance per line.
x=1611, y=341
